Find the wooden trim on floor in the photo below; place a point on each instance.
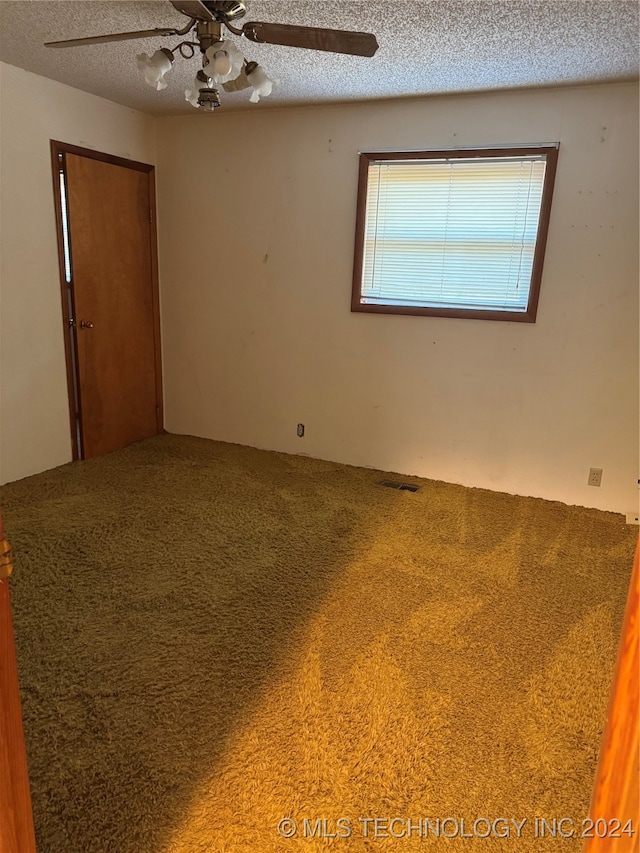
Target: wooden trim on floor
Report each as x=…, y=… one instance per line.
x=616, y=793
x=16, y=819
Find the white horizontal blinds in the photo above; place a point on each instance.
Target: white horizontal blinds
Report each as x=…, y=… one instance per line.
x=457, y=233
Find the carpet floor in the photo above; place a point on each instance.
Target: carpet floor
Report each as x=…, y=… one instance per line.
x=213, y=638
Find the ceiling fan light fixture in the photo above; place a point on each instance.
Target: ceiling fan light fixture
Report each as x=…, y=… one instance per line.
x=223, y=64
x=223, y=61
x=261, y=82
x=200, y=83
x=209, y=100
x=155, y=67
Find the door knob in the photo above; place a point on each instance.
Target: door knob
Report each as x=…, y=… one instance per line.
x=86, y=324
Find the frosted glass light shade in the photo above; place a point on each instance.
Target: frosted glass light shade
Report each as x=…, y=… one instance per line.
x=223, y=61
x=155, y=67
x=262, y=84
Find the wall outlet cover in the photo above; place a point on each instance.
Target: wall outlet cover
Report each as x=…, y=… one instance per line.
x=633, y=518
x=595, y=477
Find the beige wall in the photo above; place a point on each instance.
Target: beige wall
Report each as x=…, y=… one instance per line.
x=256, y=225
x=34, y=416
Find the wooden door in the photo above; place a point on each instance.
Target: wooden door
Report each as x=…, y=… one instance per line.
x=16, y=821
x=110, y=295
x=615, y=802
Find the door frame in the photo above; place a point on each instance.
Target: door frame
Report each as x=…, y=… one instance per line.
x=16, y=815
x=59, y=150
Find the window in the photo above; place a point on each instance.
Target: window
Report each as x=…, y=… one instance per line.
x=456, y=233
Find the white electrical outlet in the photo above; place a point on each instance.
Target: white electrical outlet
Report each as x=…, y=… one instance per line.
x=633, y=518
x=595, y=477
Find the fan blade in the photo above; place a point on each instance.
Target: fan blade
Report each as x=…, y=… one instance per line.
x=193, y=9
x=139, y=34
x=313, y=38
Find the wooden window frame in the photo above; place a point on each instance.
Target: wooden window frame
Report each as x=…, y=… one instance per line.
x=550, y=151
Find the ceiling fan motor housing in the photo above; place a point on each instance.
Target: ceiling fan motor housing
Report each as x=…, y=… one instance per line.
x=226, y=10
x=208, y=33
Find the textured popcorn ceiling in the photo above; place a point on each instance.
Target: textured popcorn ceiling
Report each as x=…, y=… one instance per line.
x=426, y=47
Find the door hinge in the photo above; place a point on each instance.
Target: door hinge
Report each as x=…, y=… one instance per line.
x=151, y=216
x=72, y=322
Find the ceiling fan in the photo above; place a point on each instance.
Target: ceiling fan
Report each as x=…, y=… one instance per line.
x=222, y=62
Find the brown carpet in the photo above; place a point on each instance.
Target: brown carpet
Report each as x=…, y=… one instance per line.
x=212, y=638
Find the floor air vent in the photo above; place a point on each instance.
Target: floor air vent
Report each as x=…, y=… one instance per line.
x=402, y=487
